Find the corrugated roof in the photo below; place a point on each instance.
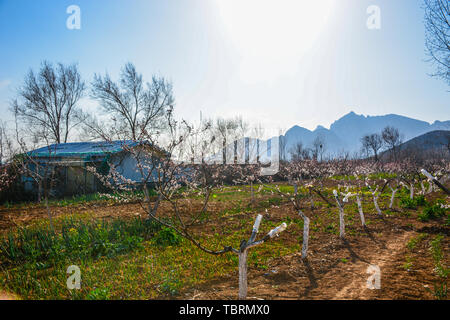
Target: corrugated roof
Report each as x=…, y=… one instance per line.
x=82, y=149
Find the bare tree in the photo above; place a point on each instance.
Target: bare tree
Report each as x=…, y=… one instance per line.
x=134, y=108
x=4, y=143
x=226, y=130
x=299, y=152
x=392, y=138
x=7, y=176
x=48, y=101
x=437, y=36
x=372, y=142
x=296, y=151
x=318, y=147
x=40, y=168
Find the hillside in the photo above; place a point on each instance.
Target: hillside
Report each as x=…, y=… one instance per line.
x=434, y=141
x=345, y=133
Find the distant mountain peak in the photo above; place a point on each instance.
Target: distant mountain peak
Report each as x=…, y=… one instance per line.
x=346, y=132
x=352, y=114
x=320, y=127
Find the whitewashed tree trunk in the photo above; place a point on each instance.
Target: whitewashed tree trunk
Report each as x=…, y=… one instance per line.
x=360, y=209
x=243, y=274
x=411, y=191
x=422, y=187
x=243, y=252
x=430, y=187
x=375, y=202
x=375, y=196
x=341, y=216
x=341, y=223
x=305, y=234
x=391, y=204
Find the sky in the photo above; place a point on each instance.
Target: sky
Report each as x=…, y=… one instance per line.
x=277, y=63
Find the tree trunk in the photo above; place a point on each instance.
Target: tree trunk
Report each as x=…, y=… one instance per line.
x=341, y=223
x=243, y=274
x=360, y=209
x=375, y=202
x=305, y=234
x=391, y=204
x=430, y=187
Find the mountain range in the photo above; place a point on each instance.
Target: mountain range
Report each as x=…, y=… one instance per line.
x=344, y=135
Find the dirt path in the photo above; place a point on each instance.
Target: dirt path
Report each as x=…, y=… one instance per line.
x=357, y=288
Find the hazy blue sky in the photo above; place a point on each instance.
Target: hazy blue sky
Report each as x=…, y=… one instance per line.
x=279, y=63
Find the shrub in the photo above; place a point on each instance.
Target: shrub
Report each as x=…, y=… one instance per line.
x=432, y=212
x=408, y=203
x=167, y=237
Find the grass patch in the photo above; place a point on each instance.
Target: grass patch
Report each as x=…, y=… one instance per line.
x=431, y=212
x=440, y=287
x=160, y=264
x=409, y=203
x=73, y=238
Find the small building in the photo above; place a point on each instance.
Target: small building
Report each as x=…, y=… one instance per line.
x=69, y=164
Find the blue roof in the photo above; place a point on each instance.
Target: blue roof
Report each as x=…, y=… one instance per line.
x=82, y=149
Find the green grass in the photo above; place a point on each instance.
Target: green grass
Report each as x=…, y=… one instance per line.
x=434, y=211
x=134, y=259
x=436, y=252
x=440, y=287
x=415, y=241
x=121, y=259
x=74, y=238
x=417, y=201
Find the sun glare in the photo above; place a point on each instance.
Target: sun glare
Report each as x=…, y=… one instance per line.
x=271, y=36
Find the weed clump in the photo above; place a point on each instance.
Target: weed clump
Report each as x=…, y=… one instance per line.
x=74, y=239
x=409, y=203
x=432, y=212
